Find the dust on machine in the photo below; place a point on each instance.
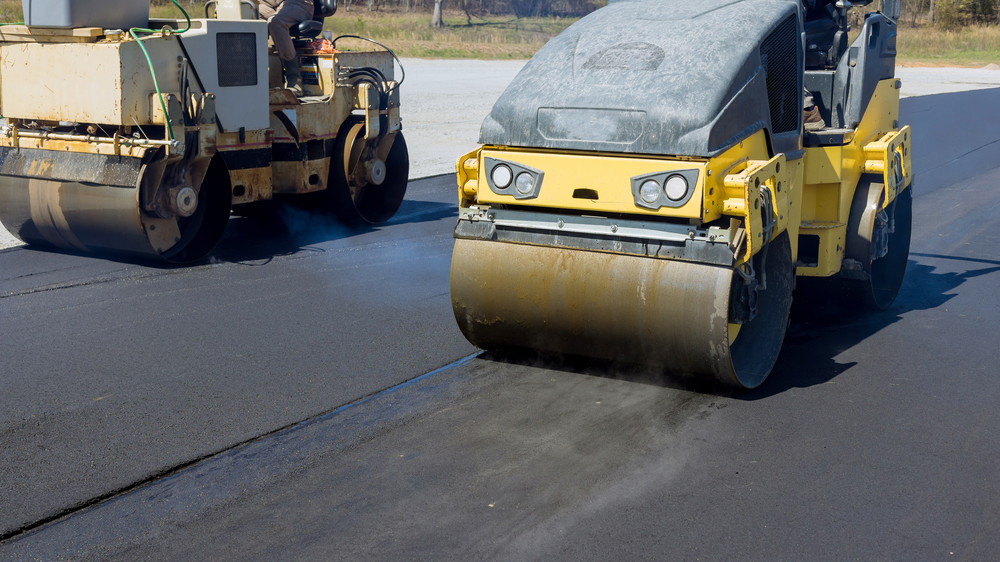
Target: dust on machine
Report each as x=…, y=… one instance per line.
x=656, y=180
x=132, y=136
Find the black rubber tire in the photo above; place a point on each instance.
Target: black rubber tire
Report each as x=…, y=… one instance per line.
x=369, y=204
x=755, y=349
x=885, y=275
x=202, y=231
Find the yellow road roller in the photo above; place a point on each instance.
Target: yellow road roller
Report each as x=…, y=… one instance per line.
x=656, y=178
x=133, y=136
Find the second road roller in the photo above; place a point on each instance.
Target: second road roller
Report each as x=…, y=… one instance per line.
x=653, y=182
x=132, y=136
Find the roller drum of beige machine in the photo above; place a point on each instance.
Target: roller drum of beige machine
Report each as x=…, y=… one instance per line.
x=647, y=192
x=128, y=136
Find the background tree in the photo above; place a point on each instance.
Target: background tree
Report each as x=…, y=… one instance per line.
x=436, y=20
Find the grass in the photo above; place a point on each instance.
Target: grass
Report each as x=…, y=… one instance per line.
x=975, y=46
x=410, y=35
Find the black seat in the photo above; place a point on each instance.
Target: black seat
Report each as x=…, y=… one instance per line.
x=821, y=29
x=310, y=29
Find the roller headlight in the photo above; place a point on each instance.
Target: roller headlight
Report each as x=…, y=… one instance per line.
x=669, y=188
x=502, y=176
x=650, y=191
x=512, y=179
x=524, y=183
x=675, y=188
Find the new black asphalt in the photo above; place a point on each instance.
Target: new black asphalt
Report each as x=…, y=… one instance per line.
x=154, y=413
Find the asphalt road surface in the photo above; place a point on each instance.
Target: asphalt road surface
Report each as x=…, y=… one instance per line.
x=307, y=395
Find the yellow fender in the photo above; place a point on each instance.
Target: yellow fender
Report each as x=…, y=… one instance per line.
x=759, y=194
x=889, y=157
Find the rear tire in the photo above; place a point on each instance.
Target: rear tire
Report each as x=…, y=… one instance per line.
x=359, y=203
x=883, y=276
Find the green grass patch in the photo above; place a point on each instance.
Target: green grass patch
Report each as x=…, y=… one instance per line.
x=975, y=46
x=411, y=35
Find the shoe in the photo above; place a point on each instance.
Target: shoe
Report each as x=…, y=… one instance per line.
x=812, y=120
x=293, y=76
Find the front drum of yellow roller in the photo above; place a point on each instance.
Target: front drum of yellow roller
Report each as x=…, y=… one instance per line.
x=666, y=313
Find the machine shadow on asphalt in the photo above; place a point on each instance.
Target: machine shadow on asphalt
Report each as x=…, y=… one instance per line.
x=822, y=329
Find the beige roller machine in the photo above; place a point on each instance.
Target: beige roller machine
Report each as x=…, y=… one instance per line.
x=127, y=136
x=646, y=190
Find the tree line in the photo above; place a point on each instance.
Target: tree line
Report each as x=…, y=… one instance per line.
x=948, y=14
x=518, y=8
x=951, y=14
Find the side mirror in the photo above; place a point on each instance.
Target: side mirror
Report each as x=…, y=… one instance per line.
x=890, y=9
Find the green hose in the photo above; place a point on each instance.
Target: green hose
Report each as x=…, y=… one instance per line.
x=152, y=72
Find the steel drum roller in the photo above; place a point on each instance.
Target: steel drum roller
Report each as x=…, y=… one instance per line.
x=99, y=217
x=666, y=313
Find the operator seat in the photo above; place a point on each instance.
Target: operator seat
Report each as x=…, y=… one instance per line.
x=822, y=29
x=311, y=28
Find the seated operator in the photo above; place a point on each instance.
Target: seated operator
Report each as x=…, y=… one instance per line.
x=281, y=15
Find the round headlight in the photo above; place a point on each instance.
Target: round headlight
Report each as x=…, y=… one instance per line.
x=649, y=191
x=524, y=183
x=502, y=175
x=676, y=188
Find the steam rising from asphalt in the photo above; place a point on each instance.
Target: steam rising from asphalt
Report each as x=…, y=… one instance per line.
x=308, y=227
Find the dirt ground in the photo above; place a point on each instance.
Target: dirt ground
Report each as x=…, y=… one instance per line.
x=444, y=102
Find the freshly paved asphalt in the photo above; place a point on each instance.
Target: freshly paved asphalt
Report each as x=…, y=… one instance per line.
x=157, y=408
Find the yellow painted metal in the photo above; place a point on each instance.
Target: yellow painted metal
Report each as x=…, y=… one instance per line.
x=467, y=168
x=833, y=172
x=607, y=175
x=731, y=184
x=96, y=83
x=252, y=183
x=758, y=185
x=747, y=166
x=890, y=157
x=731, y=161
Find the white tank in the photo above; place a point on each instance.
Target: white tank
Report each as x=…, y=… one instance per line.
x=106, y=14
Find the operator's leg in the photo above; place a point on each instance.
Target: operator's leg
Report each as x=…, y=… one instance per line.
x=289, y=13
x=265, y=12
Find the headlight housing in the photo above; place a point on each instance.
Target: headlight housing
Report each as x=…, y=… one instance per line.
x=664, y=189
x=510, y=178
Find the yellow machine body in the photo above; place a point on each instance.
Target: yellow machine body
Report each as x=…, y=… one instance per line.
x=141, y=147
x=579, y=266
x=879, y=147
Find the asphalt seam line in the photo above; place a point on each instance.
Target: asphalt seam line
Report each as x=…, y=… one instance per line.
x=174, y=470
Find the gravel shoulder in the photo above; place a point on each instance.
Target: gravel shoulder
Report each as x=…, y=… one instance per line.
x=444, y=102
